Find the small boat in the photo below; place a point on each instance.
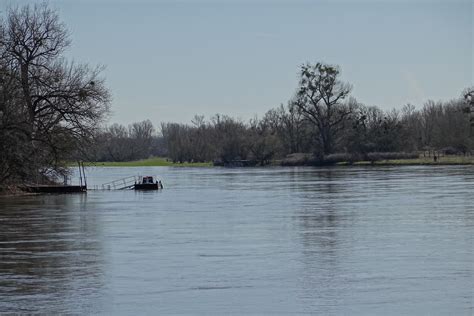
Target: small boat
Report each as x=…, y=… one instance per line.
x=148, y=183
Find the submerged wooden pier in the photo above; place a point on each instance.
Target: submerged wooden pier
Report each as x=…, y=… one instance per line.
x=55, y=188
x=60, y=188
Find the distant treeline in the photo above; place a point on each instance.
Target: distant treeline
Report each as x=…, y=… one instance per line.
x=52, y=112
x=321, y=119
x=367, y=130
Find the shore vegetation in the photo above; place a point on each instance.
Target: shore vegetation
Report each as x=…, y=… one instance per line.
x=50, y=108
x=53, y=110
x=149, y=162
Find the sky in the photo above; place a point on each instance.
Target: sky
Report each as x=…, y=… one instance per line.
x=170, y=60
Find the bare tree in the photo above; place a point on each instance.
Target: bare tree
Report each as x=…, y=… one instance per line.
x=263, y=142
x=319, y=97
x=295, y=126
x=230, y=137
x=61, y=103
x=116, y=143
x=141, y=134
x=469, y=98
x=177, y=140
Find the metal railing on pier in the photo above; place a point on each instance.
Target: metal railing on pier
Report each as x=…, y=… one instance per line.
x=121, y=184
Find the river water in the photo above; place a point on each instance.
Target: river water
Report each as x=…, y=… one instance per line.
x=348, y=240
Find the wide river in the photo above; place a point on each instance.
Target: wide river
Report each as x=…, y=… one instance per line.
x=345, y=240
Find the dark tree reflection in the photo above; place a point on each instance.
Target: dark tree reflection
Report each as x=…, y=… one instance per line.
x=321, y=220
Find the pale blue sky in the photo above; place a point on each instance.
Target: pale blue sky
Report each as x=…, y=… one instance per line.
x=169, y=60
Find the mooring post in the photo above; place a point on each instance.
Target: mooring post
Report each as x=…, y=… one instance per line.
x=80, y=173
x=84, y=173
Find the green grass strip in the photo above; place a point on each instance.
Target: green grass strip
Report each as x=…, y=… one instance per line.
x=150, y=162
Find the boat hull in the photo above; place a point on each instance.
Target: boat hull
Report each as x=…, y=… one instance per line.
x=146, y=186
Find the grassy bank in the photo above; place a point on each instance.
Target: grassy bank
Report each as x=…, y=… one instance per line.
x=150, y=162
x=163, y=162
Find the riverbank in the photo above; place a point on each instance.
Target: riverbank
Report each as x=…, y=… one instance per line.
x=379, y=159
x=423, y=161
x=299, y=161
x=13, y=190
x=150, y=162
x=302, y=160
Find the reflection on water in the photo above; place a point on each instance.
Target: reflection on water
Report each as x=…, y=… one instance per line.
x=289, y=240
x=49, y=249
